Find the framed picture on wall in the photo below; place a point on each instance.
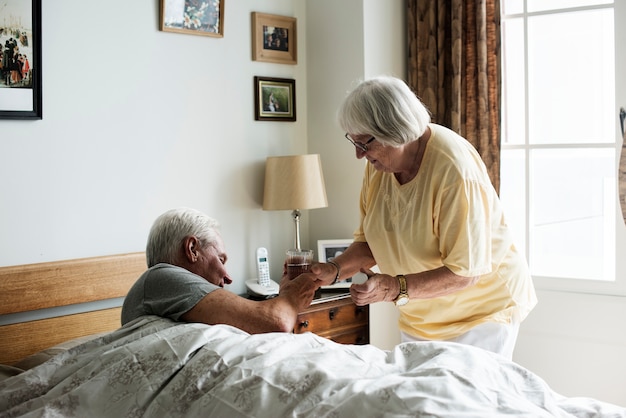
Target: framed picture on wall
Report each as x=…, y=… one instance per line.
x=327, y=250
x=194, y=17
x=274, y=99
x=274, y=38
x=20, y=40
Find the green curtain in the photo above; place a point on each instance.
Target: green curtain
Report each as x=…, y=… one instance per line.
x=454, y=67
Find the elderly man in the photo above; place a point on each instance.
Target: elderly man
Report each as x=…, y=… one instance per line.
x=186, y=275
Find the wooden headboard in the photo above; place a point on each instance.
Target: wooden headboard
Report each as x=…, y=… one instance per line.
x=44, y=287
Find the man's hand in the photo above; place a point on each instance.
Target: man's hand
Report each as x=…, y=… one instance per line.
x=300, y=291
x=278, y=314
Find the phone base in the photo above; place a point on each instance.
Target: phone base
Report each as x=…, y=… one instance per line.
x=255, y=289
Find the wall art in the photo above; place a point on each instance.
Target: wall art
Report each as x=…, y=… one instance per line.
x=20, y=64
x=274, y=99
x=194, y=17
x=274, y=38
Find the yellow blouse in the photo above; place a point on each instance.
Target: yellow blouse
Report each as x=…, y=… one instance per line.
x=448, y=215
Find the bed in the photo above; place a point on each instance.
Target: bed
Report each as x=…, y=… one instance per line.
x=157, y=367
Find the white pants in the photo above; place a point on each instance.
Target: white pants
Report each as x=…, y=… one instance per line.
x=491, y=336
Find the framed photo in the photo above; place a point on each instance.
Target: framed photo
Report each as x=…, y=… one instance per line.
x=274, y=39
x=20, y=69
x=329, y=249
x=194, y=17
x=274, y=99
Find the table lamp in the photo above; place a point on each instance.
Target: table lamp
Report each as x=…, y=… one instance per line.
x=294, y=182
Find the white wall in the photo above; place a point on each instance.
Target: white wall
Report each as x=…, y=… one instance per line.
x=357, y=47
x=577, y=344
x=137, y=121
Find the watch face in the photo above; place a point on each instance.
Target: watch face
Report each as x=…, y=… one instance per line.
x=402, y=300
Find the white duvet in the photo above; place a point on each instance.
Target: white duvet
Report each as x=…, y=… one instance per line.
x=158, y=368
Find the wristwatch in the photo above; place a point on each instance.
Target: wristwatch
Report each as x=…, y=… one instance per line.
x=403, y=297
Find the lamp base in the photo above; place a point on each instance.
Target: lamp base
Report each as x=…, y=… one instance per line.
x=296, y=222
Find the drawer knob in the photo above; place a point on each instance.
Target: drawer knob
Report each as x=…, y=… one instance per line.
x=332, y=313
x=304, y=324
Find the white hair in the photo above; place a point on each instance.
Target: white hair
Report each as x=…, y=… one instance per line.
x=172, y=227
x=386, y=108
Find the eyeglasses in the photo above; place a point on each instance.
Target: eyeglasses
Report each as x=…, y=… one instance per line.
x=362, y=147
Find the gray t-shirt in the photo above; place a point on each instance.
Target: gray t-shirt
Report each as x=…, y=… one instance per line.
x=165, y=290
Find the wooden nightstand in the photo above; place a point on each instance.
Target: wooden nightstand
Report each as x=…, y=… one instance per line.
x=337, y=318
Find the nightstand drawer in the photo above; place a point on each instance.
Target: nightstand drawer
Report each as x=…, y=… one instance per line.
x=340, y=320
x=359, y=335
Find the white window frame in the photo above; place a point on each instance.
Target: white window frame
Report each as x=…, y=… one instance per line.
x=618, y=286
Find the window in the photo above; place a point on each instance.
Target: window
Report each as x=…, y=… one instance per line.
x=561, y=140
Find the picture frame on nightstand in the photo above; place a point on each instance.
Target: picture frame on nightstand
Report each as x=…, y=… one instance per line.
x=327, y=250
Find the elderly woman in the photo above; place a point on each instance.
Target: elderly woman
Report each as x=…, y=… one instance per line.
x=432, y=223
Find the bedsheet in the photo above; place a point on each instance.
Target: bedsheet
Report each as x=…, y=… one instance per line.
x=159, y=368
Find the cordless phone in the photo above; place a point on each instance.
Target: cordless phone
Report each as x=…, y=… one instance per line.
x=263, y=267
x=262, y=286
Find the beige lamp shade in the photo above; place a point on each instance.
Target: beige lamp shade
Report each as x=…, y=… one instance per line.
x=294, y=182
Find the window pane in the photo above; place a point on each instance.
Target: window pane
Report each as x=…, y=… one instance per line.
x=539, y=5
x=512, y=6
x=513, y=193
x=572, y=207
x=571, y=77
x=513, y=113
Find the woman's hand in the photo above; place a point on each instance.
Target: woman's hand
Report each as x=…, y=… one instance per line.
x=425, y=285
x=325, y=273
x=377, y=288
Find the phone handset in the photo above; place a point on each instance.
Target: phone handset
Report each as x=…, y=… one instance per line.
x=263, y=267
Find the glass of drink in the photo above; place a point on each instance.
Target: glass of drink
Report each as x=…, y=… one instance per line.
x=298, y=262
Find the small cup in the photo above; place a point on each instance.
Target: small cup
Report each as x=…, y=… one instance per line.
x=298, y=262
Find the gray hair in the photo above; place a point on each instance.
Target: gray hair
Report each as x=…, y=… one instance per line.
x=172, y=227
x=386, y=108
